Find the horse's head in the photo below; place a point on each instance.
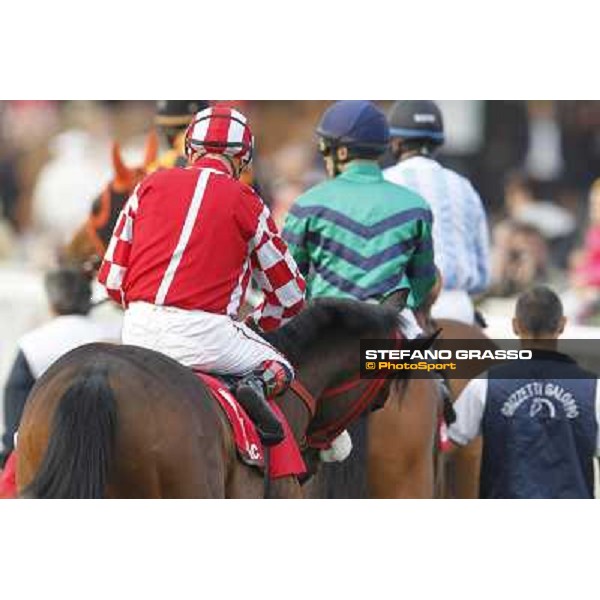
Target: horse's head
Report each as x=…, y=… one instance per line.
x=324, y=344
x=91, y=240
x=125, y=177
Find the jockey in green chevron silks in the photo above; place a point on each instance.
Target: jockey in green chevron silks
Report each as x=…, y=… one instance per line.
x=357, y=235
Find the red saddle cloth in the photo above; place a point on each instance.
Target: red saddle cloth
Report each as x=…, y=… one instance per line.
x=8, y=478
x=286, y=458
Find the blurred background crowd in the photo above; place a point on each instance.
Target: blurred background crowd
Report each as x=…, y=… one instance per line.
x=534, y=163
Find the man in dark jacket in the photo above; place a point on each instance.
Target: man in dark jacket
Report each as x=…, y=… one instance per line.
x=538, y=418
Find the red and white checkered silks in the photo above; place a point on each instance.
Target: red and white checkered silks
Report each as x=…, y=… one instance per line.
x=221, y=130
x=193, y=238
x=116, y=258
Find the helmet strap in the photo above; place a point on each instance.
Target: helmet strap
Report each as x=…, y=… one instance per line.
x=235, y=170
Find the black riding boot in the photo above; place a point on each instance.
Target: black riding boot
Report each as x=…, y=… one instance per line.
x=251, y=394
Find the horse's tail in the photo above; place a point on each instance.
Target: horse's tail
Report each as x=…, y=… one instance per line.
x=79, y=456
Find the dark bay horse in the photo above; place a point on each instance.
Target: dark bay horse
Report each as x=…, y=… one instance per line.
x=91, y=239
x=126, y=422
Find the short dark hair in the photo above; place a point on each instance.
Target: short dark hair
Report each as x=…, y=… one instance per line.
x=69, y=291
x=539, y=310
x=420, y=145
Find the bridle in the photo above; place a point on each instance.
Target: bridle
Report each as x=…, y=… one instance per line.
x=99, y=220
x=107, y=210
x=323, y=436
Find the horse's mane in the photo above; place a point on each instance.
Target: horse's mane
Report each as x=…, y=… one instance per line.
x=325, y=318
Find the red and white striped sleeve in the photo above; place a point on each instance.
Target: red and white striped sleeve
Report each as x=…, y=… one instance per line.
x=116, y=259
x=275, y=271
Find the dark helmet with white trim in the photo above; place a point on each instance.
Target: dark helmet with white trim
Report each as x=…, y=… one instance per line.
x=177, y=113
x=173, y=116
x=417, y=120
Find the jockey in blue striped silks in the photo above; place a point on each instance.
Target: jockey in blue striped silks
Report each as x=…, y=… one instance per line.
x=460, y=227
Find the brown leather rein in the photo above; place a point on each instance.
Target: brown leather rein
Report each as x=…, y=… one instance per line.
x=323, y=436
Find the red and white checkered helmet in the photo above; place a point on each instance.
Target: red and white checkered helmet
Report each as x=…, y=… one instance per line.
x=220, y=130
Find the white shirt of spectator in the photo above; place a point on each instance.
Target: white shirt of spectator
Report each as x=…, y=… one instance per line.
x=46, y=344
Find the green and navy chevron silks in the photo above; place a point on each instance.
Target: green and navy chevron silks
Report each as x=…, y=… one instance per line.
x=358, y=236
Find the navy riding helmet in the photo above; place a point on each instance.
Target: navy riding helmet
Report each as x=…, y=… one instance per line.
x=417, y=120
x=356, y=124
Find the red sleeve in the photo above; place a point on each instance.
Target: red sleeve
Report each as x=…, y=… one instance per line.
x=273, y=268
x=116, y=260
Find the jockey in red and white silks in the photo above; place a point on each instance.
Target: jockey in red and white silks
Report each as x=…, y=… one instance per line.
x=182, y=254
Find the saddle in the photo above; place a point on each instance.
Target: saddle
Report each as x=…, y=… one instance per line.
x=285, y=458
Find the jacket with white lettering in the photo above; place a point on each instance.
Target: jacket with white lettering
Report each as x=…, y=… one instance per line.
x=543, y=443
x=193, y=238
x=539, y=421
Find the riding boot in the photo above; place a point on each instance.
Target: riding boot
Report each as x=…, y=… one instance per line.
x=250, y=392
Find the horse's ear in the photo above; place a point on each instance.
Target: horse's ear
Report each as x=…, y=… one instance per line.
x=421, y=343
x=151, y=153
x=122, y=173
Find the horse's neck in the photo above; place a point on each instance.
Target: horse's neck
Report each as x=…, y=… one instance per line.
x=316, y=376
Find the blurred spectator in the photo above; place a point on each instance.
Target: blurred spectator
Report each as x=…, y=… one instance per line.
x=519, y=258
x=535, y=237
x=79, y=166
x=9, y=196
x=580, y=123
x=293, y=170
x=544, y=161
x=7, y=239
x=506, y=135
x=69, y=296
x=25, y=128
x=464, y=123
x=556, y=224
x=9, y=184
x=28, y=123
x=585, y=264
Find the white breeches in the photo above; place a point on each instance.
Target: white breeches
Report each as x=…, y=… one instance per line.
x=197, y=339
x=454, y=304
